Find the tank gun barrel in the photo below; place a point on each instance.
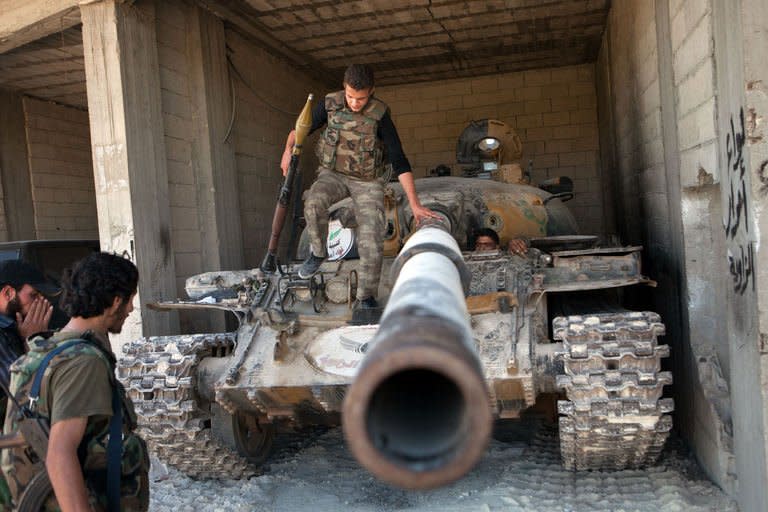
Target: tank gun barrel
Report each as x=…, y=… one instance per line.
x=417, y=414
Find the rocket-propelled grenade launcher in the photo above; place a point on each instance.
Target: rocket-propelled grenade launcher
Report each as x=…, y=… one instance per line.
x=303, y=124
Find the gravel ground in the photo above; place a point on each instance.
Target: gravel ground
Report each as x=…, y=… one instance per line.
x=518, y=473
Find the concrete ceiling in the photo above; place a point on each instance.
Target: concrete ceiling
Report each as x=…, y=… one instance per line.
x=404, y=40
x=51, y=68
x=418, y=40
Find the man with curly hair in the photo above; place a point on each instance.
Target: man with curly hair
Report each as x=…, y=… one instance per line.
x=81, y=398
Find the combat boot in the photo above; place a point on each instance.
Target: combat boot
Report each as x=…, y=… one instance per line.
x=310, y=266
x=366, y=311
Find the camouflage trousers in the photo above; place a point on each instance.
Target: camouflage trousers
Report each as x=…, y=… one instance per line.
x=368, y=200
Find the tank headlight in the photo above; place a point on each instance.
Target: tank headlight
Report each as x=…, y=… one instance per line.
x=546, y=259
x=488, y=144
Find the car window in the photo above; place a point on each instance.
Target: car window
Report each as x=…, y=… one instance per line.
x=9, y=254
x=53, y=260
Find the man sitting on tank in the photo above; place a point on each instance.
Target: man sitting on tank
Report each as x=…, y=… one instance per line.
x=358, y=141
x=486, y=239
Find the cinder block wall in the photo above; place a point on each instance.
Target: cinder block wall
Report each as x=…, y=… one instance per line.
x=269, y=96
x=706, y=368
x=694, y=81
x=553, y=110
x=179, y=132
x=61, y=170
x=665, y=170
x=266, y=106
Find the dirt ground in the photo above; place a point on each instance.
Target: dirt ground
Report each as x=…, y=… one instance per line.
x=520, y=472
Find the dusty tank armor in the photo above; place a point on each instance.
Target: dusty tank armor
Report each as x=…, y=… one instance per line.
x=544, y=325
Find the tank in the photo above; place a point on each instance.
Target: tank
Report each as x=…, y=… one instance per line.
x=466, y=338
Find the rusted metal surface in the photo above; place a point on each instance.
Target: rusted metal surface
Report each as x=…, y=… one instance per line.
x=490, y=302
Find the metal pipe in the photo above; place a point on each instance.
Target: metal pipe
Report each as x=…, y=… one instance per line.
x=417, y=414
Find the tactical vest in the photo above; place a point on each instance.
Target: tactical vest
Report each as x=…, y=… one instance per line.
x=350, y=145
x=20, y=465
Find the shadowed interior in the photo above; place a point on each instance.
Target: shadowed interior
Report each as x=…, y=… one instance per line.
x=417, y=419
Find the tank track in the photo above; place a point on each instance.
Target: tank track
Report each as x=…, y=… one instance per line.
x=159, y=375
x=615, y=416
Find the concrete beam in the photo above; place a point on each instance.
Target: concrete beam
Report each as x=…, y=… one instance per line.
x=14, y=169
x=127, y=138
x=23, y=21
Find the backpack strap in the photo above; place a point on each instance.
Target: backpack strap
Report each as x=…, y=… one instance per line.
x=115, y=452
x=114, y=445
x=34, y=392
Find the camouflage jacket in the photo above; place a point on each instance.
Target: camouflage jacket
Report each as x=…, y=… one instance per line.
x=20, y=464
x=350, y=144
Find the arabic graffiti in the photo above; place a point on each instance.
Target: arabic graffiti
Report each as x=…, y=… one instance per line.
x=742, y=267
x=737, y=194
x=741, y=255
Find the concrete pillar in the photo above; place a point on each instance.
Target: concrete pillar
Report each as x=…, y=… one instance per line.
x=741, y=44
x=14, y=169
x=213, y=153
x=705, y=426
x=123, y=84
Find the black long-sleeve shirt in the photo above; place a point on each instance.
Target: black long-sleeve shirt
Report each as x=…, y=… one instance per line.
x=386, y=132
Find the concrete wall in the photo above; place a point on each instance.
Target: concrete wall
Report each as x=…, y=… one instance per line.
x=16, y=213
x=739, y=32
x=60, y=166
x=179, y=133
x=657, y=110
x=269, y=95
x=693, y=63
x=262, y=119
x=677, y=72
x=3, y=218
x=553, y=110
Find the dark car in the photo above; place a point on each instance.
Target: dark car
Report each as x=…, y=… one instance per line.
x=52, y=257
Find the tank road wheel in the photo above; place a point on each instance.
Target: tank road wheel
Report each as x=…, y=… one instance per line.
x=38, y=495
x=159, y=375
x=614, y=417
x=243, y=432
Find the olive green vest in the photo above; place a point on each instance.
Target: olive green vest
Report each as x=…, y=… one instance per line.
x=350, y=144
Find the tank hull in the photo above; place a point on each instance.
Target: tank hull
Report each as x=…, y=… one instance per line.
x=294, y=356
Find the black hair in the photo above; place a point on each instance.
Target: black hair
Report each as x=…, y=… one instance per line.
x=359, y=76
x=487, y=232
x=91, y=285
